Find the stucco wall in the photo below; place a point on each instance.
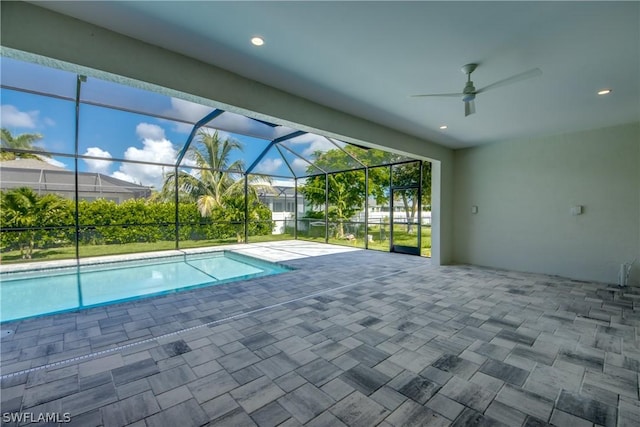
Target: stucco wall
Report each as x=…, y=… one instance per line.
x=524, y=191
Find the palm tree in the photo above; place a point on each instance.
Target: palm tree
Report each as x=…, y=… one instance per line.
x=21, y=142
x=216, y=179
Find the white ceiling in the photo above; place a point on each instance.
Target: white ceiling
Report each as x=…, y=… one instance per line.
x=366, y=58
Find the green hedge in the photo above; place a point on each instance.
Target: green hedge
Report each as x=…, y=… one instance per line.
x=134, y=220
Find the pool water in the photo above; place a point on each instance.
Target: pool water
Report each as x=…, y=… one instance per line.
x=41, y=292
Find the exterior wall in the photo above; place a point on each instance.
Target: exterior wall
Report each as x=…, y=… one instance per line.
x=29, y=28
x=524, y=191
x=282, y=209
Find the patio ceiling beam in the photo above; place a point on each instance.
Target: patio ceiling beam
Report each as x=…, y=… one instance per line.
x=271, y=144
x=203, y=121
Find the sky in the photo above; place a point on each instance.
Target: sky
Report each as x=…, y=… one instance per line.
x=109, y=133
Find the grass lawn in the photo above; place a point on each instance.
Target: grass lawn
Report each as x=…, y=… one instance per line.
x=400, y=237
x=67, y=252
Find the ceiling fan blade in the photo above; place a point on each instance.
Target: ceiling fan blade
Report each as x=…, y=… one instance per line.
x=469, y=108
x=438, y=94
x=513, y=79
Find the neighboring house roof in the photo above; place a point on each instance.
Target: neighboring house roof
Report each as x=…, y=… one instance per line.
x=45, y=177
x=29, y=164
x=279, y=191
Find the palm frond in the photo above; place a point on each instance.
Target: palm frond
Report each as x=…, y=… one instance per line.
x=23, y=141
x=206, y=204
x=217, y=177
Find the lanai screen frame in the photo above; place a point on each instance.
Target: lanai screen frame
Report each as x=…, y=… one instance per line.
x=209, y=121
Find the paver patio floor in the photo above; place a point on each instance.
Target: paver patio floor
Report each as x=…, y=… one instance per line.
x=351, y=337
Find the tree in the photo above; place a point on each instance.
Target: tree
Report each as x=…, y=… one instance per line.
x=21, y=142
x=233, y=212
x=346, y=189
x=215, y=184
x=408, y=174
x=28, y=213
x=209, y=185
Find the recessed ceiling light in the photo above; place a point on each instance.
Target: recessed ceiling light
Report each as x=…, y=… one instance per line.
x=257, y=41
x=604, y=92
x=443, y=127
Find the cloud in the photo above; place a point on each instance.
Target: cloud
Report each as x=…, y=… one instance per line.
x=156, y=151
x=49, y=121
x=155, y=148
x=313, y=143
x=300, y=166
x=99, y=166
x=149, y=131
x=269, y=165
x=161, y=151
x=11, y=117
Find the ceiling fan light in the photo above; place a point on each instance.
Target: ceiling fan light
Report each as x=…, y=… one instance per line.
x=468, y=97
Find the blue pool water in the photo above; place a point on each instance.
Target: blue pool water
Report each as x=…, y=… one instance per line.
x=36, y=293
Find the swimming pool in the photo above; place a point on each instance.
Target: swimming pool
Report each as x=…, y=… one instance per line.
x=41, y=292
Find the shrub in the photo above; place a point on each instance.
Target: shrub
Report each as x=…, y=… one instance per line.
x=106, y=222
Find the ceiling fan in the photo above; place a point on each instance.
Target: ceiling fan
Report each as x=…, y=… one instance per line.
x=469, y=92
